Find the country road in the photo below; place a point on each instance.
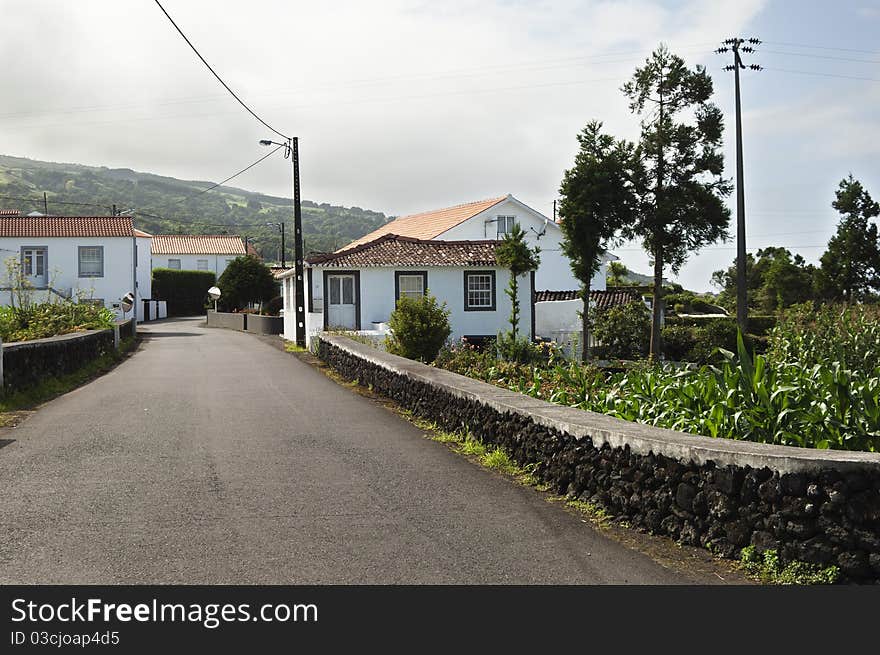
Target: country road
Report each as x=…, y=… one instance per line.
x=209, y=456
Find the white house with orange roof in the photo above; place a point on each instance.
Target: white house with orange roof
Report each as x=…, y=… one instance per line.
x=491, y=219
x=79, y=258
x=196, y=252
x=357, y=287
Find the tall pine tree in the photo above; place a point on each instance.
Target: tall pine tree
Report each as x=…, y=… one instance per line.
x=598, y=200
x=681, y=166
x=850, y=268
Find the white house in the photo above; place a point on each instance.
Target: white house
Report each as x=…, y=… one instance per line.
x=357, y=288
x=81, y=258
x=196, y=252
x=490, y=220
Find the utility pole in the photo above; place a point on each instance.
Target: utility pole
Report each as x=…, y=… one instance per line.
x=45, y=203
x=737, y=46
x=291, y=149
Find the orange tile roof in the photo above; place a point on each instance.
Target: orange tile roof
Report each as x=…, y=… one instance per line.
x=395, y=250
x=66, y=226
x=197, y=244
x=141, y=233
x=428, y=225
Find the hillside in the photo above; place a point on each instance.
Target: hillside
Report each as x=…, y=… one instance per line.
x=166, y=205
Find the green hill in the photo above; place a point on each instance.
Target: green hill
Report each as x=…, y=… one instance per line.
x=166, y=205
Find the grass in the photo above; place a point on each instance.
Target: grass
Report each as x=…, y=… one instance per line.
x=54, y=387
x=767, y=568
x=291, y=347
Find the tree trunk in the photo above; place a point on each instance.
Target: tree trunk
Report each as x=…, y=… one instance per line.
x=585, y=324
x=657, y=305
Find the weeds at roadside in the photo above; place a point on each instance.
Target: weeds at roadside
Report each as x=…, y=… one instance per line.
x=767, y=568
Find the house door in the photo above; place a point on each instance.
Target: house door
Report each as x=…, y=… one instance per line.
x=342, y=303
x=33, y=266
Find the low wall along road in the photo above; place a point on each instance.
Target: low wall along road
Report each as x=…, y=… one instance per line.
x=816, y=506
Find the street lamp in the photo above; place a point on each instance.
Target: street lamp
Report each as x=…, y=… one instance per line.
x=291, y=150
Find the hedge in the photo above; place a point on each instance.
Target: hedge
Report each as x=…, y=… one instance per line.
x=759, y=324
x=186, y=292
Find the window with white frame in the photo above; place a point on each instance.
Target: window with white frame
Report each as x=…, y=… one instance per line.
x=411, y=284
x=174, y=264
x=201, y=264
x=505, y=224
x=91, y=261
x=479, y=291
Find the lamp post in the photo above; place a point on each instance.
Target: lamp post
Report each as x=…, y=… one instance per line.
x=291, y=149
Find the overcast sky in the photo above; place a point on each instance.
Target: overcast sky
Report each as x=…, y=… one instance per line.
x=403, y=106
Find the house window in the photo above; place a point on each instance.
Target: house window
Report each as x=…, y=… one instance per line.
x=33, y=262
x=202, y=264
x=479, y=291
x=410, y=284
x=174, y=264
x=91, y=261
x=97, y=302
x=505, y=224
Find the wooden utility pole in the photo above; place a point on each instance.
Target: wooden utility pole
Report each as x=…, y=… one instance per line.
x=737, y=46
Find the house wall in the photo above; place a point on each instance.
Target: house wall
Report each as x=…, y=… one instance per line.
x=62, y=262
x=216, y=263
x=554, y=273
x=445, y=283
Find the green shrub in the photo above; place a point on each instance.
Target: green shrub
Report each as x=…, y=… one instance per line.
x=185, y=292
x=711, y=335
x=274, y=306
x=51, y=319
x=760, y=325
x=246, y=280
x=678, y=341
x=419, y=328
x=624, y=332
x=520, y=349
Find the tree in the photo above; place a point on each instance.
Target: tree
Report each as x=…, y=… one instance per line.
x=618, y=275
x=850, y=268
x=419, y=328
x=513, y=253
x=775, y=279
x=680, y=167
x=623, y=331
x=598, y=200
x=246, y=280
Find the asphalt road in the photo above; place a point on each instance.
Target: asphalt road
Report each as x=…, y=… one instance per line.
x=209, y=456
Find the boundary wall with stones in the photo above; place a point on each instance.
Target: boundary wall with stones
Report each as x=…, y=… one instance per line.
x=815, y=506
x=27, y=363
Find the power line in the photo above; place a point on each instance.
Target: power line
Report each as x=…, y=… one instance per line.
x=845, y=77
x=804, y=54
x=822, y=47
x=55, y=202
x=243, y=170
x=214, y=73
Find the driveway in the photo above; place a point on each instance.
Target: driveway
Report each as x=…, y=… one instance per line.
x=209, y=456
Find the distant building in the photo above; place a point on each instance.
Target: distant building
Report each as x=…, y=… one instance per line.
x=197, y=252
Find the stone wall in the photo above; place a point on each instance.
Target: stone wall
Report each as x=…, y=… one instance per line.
x=27, y=363
x=821, y=507
x=228, y=320
x=265, y=324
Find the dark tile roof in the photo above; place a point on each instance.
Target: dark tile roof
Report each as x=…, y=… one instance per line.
x=66, y=226
x=601, y=299
x=394, y=250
